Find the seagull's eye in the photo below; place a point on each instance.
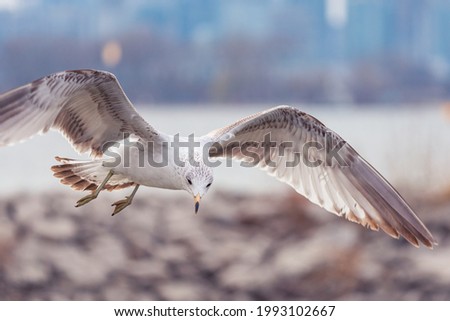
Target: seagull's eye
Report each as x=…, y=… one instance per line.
x=208, y=185
x=189, y=181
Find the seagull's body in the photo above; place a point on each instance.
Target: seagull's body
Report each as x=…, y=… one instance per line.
x=164, y=169
x=90, y=108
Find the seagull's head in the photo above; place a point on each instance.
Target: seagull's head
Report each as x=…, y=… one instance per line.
x=197, y=181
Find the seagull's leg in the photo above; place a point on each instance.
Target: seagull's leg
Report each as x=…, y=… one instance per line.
x=120, y=205
x=95, y=193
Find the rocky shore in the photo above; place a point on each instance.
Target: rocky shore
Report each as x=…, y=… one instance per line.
x=239, y=247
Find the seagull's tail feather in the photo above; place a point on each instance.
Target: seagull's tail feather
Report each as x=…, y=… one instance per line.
x=87, y=175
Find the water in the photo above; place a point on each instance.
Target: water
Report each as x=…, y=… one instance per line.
x=409, y=146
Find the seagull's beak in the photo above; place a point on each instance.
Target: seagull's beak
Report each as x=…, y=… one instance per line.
x=197, y=202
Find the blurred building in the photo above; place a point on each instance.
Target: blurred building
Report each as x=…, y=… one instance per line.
x=305, y=44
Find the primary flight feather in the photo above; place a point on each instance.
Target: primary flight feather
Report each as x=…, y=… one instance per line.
x=91, y=110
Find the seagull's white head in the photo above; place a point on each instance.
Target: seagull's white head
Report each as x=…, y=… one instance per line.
x=197, y=181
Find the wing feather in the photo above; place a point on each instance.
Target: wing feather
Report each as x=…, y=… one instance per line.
x=346, y=185
x=89, y=107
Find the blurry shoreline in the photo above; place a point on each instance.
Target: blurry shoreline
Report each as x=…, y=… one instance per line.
x=239, y=247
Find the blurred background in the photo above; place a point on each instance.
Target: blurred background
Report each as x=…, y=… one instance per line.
x=325, y=51
x=375, y=71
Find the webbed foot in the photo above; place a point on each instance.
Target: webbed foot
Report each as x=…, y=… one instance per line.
x=120, y=205
x=86, y=199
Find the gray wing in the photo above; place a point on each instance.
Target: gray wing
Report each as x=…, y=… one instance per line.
x=88, y=106
x=320, y=165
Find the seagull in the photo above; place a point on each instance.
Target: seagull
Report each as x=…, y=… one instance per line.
x=90, y=108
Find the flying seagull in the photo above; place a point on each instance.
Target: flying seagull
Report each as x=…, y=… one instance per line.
x=91, y=110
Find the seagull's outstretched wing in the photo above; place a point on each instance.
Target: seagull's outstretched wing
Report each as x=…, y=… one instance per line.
x=301, y=151
x=88, y=106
